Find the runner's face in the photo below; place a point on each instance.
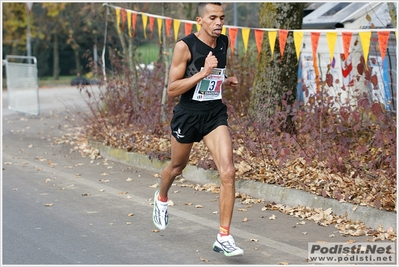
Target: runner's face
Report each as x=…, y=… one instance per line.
x=213, y=20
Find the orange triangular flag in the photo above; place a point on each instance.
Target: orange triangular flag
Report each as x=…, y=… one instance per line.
x=245, y=37
x=282, y=39
x=314, y=36
x=152, y=20
x=233, y=37
x=159, y=22
x=118, y=19
x=331, y=40
x=298, y=36
x=346, y=40
x=272, y=40
x=383, y=42
x=187, y=28
x=123, y=18
x=176, y=26
x=259, y=40
x=365, y=40
x=168, y=23
x=145, y=20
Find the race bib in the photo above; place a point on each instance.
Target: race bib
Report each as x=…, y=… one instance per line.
x=210, y=88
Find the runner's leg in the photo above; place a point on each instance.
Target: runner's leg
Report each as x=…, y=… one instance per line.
x=180, y=154
x=220, y=145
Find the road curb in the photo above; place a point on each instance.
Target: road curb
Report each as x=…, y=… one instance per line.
x=372, y=217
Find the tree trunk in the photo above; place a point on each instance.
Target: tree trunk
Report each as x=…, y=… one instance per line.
x=276, y=74
x=56, y=58
x=77, y=61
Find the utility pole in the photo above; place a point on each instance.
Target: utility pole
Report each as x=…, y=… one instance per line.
x=28, y=46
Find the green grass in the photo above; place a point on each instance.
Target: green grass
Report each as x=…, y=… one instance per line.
x=148, y=53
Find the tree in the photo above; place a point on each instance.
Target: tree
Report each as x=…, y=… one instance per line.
x=276, y=73
x=14, y=28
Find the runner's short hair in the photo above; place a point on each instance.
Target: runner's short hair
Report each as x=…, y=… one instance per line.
x=201, y=7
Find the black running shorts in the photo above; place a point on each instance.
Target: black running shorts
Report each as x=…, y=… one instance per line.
x=190, y=125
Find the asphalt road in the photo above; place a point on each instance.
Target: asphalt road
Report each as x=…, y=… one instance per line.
x=61, y=208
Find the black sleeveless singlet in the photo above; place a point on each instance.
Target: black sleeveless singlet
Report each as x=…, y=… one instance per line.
x=199, y=51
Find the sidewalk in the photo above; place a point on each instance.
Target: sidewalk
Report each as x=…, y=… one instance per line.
x=372, y=217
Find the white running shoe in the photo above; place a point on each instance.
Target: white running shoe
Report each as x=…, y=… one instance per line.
x=160, y=213
x=226, y=245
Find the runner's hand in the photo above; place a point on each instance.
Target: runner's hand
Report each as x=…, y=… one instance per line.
x=210, y=62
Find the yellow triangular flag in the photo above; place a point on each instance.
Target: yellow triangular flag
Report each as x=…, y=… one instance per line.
x=118, y=19
x=129, y=23
x=224, y=30
x=298, y=36
x=159, y=22
x=272, y=40
x=365, y=40
x=198, y=27
x=176, y=25
x=145, y=19
x=245, y=37
x=331, y=40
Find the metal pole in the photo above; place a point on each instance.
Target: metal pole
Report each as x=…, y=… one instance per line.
x=235, y=22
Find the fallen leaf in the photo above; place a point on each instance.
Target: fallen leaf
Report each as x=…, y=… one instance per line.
x=254, y=240
x=273, y=217
x=203, y=259
x=130, y=214
x=49, y=205
x=245, y=219
x=199, y=206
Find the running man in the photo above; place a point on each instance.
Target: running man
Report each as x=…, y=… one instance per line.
x=196, y=75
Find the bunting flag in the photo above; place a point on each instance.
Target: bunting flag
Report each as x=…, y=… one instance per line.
x=176, y=26
x=315, y=36
x=129, y=23
x=123, y=18
x=152, y=20
x=168, y=23
x=233, y=37
x=346, y=40
x=383, y=42
x=159, y=22
x=134, y=20
x=118, y=19
x=187, y=28
x=331, y=40
x=298, y=36
x=282, y=38
x=365, y=40
x=259, y=40
x=245, y=38
x=129, y=17
x=145, y=20
x=272, y=40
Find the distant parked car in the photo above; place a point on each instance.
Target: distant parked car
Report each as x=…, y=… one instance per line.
x=83, y=81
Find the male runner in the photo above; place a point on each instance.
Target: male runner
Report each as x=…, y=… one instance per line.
x=196, y=75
